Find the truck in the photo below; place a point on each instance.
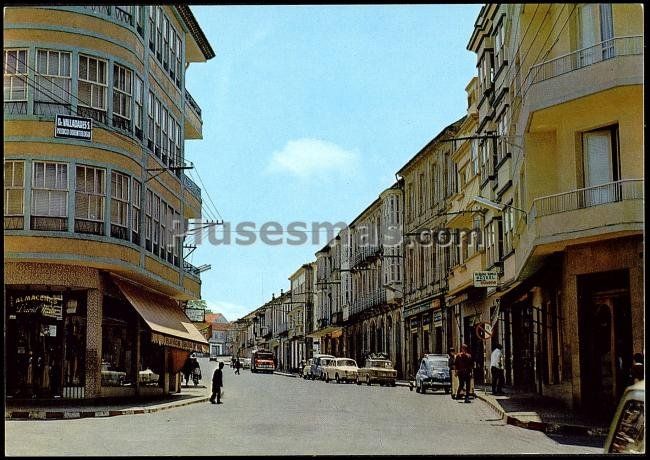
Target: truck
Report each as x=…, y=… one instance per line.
x=262, y=361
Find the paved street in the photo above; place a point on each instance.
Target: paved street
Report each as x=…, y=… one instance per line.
x=273, y=415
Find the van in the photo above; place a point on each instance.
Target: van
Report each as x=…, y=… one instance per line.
x=627, y=430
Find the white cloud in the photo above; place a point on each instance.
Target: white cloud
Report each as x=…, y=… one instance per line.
x=231, y=311
x=309, y=157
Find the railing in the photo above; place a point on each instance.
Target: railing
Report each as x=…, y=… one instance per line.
x=619, y=46
x=190, y=100
x=364, y=253
x=188, y=267
x=368, y=301
x=105, y=9
x=123, y=15
x=191, y=186
x=622, y=190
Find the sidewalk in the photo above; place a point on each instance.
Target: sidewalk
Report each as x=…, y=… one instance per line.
x=536, y=412
x=73, y=409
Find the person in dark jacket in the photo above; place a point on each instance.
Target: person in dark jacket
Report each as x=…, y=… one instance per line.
x=217, y=383
x=237, y=366
x=463, y=365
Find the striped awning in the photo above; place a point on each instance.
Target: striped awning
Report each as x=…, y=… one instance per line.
x=169, y=325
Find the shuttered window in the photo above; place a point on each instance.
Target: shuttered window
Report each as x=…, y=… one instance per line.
x=50, y=189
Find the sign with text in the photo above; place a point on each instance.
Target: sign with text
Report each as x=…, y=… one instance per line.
x=483, y=330
x=50, y=306
x=437, y=318
x=196, y=315
x=73, y=127
x=486, y=279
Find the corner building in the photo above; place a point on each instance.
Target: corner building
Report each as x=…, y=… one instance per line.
x=94, y=271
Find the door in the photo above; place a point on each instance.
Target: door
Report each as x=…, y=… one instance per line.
x=606, y=341
x=600, y=166
x=595, y=27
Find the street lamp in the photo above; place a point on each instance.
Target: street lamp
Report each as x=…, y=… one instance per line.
x=493, y=205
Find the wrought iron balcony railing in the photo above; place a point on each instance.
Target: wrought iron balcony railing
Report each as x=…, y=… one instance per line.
x=192, y=103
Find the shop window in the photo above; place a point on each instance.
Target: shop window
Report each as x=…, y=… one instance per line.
x=14, y=191
x=74, y=364
x=118, y=343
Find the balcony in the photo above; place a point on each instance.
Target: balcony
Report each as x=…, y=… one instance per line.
x=608, y=64
x=193, y=120
x=365, y=254
x=191, y=186
x=337, y=318
x=580, y=216
x=368, y=301
x=190, y=269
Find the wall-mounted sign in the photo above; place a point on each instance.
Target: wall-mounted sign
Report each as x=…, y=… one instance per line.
x=415, y=322
x=196, y=315
x=437, y=318
x=73, y=127
x=50, y=306
x=486, y=279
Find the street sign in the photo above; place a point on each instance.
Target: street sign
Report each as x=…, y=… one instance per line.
x=486, y=279
x=483, y=330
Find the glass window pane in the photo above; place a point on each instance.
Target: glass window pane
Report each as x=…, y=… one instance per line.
x=92, y=69
x=53, y=63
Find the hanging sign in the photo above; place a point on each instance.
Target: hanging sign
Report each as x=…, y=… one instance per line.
x=483, y=330
x=196, y=315
x=73, y=127
x=486, y=279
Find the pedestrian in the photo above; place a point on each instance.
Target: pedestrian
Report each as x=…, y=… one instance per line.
x=217, y=383
x=496, y=367
x=237, y=366
x=463, y=366
x=187, y=369
x=637, y=368
x=452, y=355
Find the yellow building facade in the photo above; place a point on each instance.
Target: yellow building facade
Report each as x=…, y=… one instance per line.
x=95, y=199
x=561, y=87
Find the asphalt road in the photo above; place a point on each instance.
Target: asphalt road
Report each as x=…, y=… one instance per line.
x=275, y=415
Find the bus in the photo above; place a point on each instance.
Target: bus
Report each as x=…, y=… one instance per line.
x=262, y=361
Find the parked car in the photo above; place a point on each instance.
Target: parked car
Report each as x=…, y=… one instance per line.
x=433, y=373
x=377, y=370
x=341, y=370
x=245, y=363
x=627, y=430
x=304, y=372
x=315, y=370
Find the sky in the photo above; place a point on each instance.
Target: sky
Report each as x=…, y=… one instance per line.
x=308, y=113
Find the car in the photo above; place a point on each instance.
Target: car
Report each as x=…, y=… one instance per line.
x=245, y=363
x=213, y=358
x=378, y=369
x=341, y=370
x=627, y=430
x=433, y=373
x=304, y=372
x=315, y=369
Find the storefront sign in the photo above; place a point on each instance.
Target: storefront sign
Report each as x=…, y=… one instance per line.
x=437, y=318
x=50, y=306
x=177, y=342
x=73, y=127
x=453, y=301
x=486, y=279
x=196, y=315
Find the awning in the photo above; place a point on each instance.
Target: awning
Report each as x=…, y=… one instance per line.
x=169, y=325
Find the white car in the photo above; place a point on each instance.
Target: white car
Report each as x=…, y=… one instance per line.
x=341, y=370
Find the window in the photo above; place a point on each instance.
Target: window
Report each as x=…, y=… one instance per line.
x=89, y=200
x=163, y=137
x=124, y=14
x=172, y=52
x=171, y=241
x=150, y=123
x=499, y=48
x=53, y=80
x=159, y=32
x=179, y=62
x=152, y=28
x=508, y=228
x=147, y=219
x=14, y=191
x=92, y=88
x=156, y=223
x=171, y=136
x=119, y=205
x=122, y=93
x=139, y=19
x=165, y=45
x=163, y=229
x=157, y=128
x=136, y=196
x=139, y=101
x=601, y=165
x=179, y=151
x=15, y=75
x=49, y=195
x=502, y=132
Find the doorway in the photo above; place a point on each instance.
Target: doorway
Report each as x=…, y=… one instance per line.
x=605, y=334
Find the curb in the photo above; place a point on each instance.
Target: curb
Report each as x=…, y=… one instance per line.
x=286, y=374
x=76, y=414
x=550, y=428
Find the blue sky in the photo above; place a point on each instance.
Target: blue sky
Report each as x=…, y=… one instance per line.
x=308, y=113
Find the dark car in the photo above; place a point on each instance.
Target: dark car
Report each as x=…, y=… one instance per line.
x=433, y=373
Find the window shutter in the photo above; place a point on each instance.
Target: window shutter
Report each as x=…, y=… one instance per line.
x=598, y=167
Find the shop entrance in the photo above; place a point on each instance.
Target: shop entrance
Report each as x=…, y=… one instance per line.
x=605, y=334
x=476, y=347
x=523, y=346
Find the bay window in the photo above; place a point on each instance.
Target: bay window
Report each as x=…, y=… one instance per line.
x=89, y=200
x=53, y=82
x=49, y=196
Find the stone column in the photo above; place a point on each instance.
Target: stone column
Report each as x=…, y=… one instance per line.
x=93, y=343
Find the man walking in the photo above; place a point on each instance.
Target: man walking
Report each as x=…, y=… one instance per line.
x=237, y=366
x=463, y=365
x=496, y=367
x=217, y=383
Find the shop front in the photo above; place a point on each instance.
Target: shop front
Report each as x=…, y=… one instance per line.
x=45, y=343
